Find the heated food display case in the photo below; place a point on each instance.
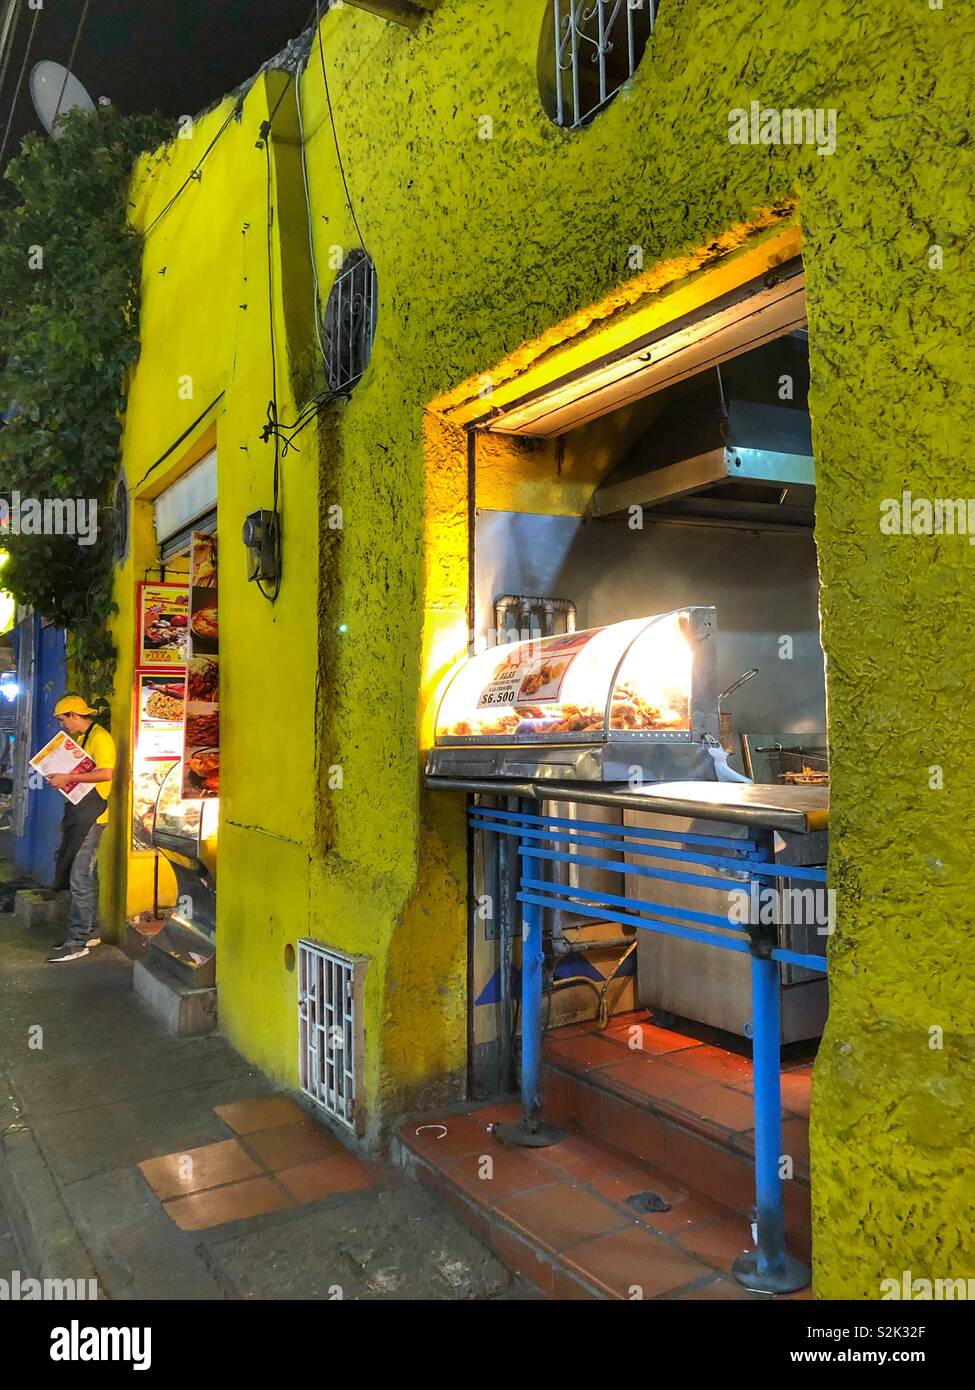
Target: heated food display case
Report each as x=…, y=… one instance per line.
x=186, y=833
x=636, y=700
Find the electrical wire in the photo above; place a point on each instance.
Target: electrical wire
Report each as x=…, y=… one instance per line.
x=335, y=135
x=272, y=407
x=194, y=173
x=20, y=83
x=311, y=234
x=70, y=68
x=8, y=38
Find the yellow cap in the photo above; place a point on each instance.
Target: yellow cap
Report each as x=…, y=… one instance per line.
x=73, y=704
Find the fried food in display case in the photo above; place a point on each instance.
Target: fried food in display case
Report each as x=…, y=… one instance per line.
x=641, y=681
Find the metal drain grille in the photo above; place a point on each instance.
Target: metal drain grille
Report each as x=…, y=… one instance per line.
x=329, y=1030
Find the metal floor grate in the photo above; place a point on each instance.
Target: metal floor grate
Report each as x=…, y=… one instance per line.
x=329, y=1023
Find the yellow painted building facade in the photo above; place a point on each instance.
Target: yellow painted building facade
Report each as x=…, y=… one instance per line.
x=507, y=248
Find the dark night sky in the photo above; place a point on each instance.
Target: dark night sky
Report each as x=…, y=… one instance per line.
x=174, y=56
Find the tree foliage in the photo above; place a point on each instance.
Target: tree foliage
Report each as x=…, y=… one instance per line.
x=69, y=297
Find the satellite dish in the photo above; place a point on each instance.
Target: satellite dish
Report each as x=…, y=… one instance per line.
x=55, y=91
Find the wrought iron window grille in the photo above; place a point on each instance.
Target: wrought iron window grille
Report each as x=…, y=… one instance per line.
x=349, y=325
x=598, y=45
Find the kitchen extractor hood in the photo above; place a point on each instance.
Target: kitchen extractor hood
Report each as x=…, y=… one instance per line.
x=732, y=443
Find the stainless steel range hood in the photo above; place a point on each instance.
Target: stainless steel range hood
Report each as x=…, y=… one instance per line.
x=732, y=443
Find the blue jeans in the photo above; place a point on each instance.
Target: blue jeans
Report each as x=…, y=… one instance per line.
x=83, y=914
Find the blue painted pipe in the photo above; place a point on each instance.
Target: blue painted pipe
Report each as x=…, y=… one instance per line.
x=770, y=1254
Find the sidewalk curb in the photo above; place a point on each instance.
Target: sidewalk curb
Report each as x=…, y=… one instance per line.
x=42, y=1228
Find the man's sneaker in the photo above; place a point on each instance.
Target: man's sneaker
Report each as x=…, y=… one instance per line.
x=92, y=941
x=69, y=951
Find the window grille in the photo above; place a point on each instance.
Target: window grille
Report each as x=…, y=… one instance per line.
x=330, y=1030
x=596, y=46
x=350, y=322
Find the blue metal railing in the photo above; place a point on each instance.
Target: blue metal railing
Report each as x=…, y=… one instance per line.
x=748, y=863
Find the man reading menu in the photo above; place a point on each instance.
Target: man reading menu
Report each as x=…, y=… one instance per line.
x=82, y=826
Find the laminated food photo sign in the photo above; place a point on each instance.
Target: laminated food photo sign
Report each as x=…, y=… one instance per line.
x=163, y=625
x=62, y=755
x=534, y=673
x=201, y=729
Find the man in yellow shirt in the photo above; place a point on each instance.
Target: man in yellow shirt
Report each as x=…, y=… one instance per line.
x=82, y=826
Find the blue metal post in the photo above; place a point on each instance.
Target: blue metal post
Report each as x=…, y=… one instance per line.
x=768, y=1114
x=532, y=960
x=770, y=1269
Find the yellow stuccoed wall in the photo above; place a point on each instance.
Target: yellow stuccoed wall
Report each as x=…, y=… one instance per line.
x=498, y=237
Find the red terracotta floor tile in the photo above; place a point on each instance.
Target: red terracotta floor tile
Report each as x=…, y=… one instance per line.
x=687, y=1209
x=289, y=1145
x=709, y=1168
x=720, y=1244
x=715, y=1063
x=725, y=1289
x=633, y=1264
x=516, y=1254
x=640, y=1035
x=585, y=1160
x=555, y=1217
x=219, y=1205
x=323, y=1177
x=177, y=1175
x=796, y=1093
x=581, y=1106
x=651, y=1079
x=248, y=1116
x=586, y=1053
x=731, y=1109
x=465, y=1134
x=495, y=1172
x=795, y=1142
x=625, y=1126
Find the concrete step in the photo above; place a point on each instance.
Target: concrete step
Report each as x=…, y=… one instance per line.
x=183, y=1011
x=41, y=907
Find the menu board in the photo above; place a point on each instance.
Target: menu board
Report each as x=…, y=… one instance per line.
x=163, y=634
x=534, y=673
x=201, y=743
x=159, y=700
x=63, y=755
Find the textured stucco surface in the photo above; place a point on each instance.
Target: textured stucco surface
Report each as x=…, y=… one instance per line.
x=487, y=250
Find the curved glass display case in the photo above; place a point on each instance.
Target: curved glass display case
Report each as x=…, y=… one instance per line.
x=610, y=703
x=186, y=833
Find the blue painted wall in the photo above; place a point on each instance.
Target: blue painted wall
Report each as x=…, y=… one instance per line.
x=35, y=850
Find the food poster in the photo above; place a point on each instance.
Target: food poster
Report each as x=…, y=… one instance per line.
x=203, y=595
x=62, y=755
x=534, y=671
x=163, y=625
x=160, y=697
x=201, y=748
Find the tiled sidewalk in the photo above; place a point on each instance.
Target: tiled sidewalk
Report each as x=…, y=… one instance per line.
x=172, y=1169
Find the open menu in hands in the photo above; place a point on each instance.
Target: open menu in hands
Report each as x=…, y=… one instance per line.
x=62, y=754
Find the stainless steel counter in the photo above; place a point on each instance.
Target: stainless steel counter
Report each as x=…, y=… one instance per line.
x=800, y=810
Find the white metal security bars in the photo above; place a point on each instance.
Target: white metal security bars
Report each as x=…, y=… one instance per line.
x=598, y=44
x=327, y=1028
x=350, y=322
